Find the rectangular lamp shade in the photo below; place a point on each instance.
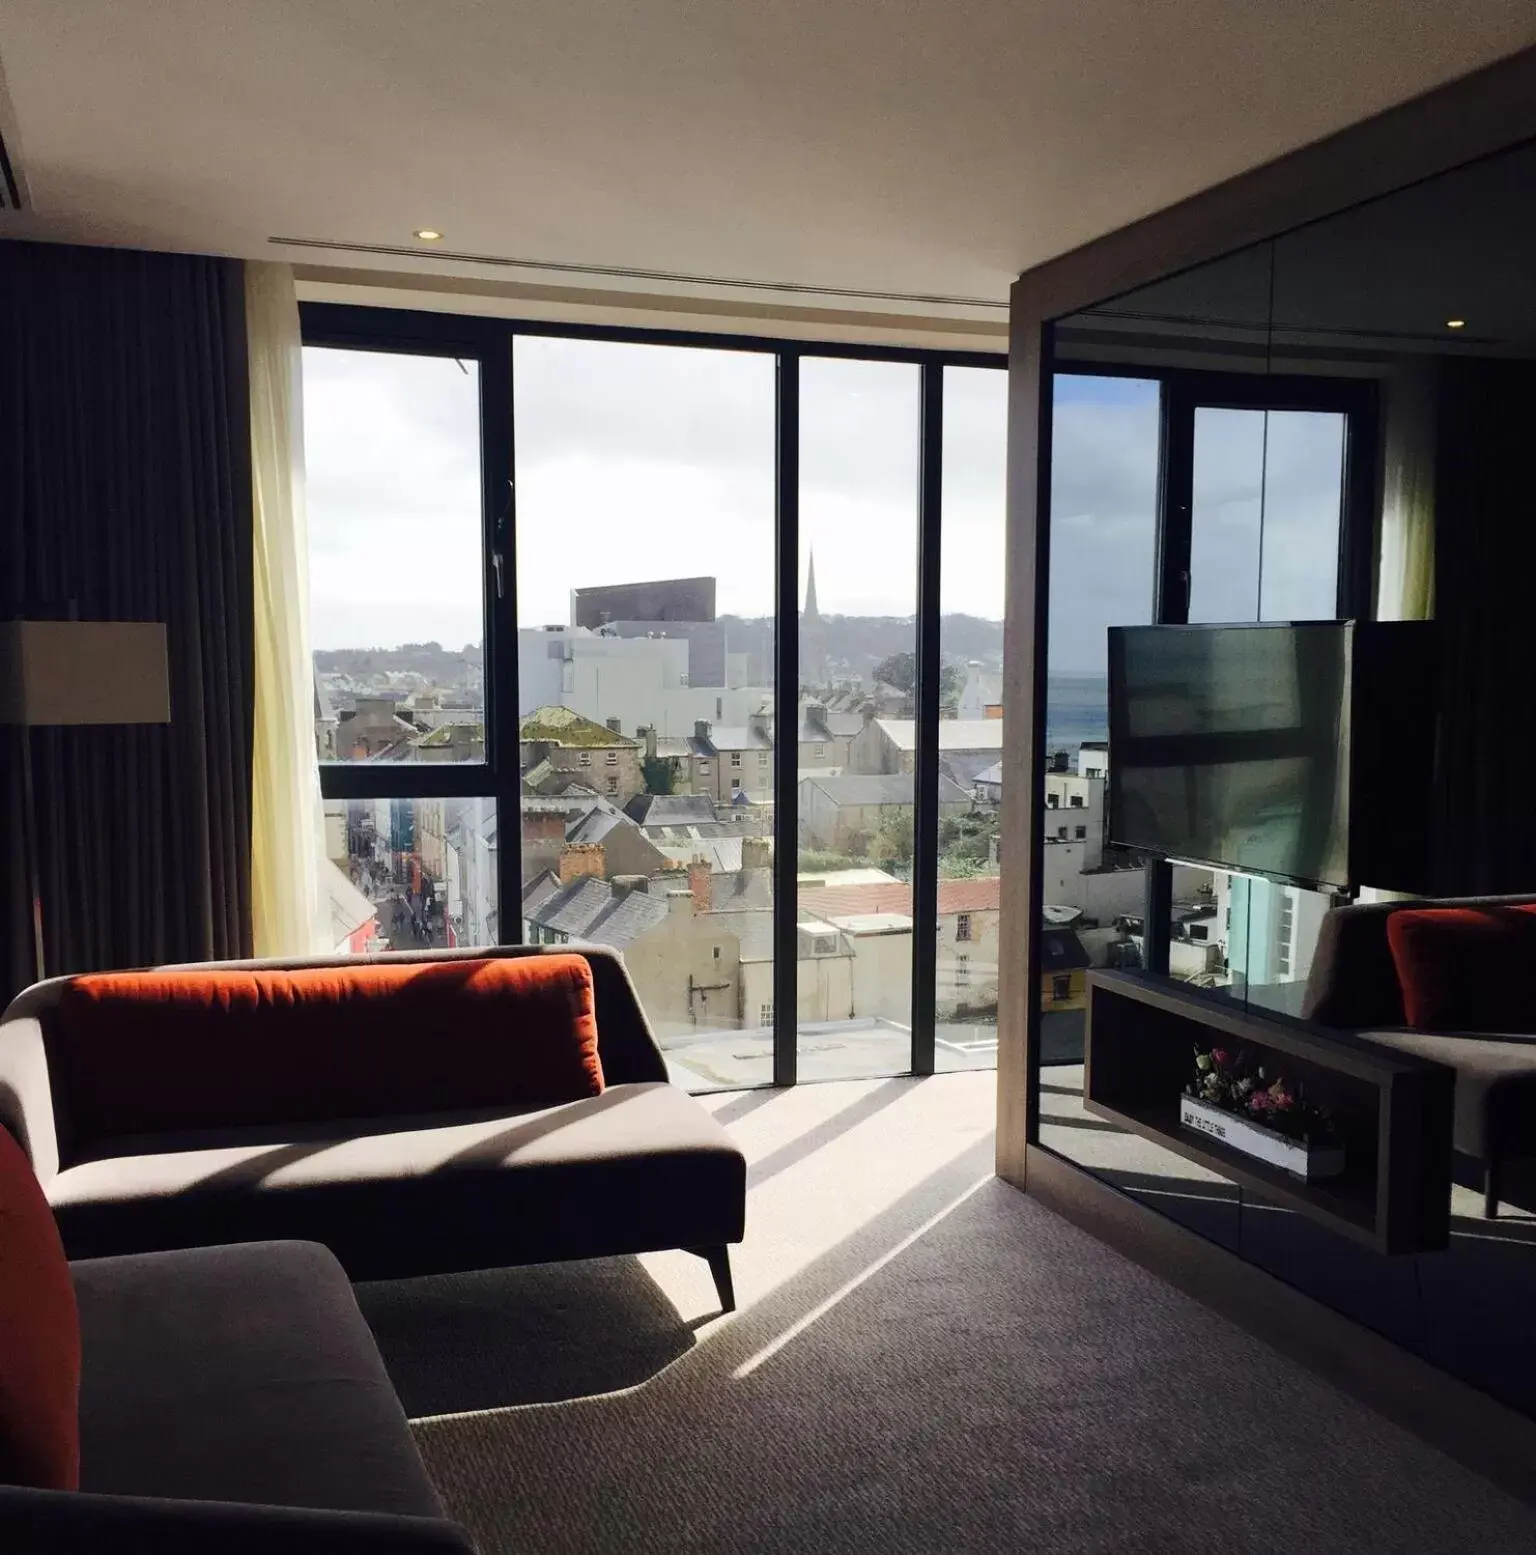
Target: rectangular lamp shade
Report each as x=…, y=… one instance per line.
x=83, y=672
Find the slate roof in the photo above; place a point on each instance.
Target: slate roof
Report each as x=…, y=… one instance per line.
x=738, y=737
x=881, y=788
x=752, y=927
x=670, y=809
x=955, y=734
x=991, y=775
x=1062, y=951
x=966, y=766
x=589, y=909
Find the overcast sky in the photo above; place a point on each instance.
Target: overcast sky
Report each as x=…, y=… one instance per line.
x=638, y=461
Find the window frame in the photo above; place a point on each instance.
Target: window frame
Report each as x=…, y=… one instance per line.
x=489, y=342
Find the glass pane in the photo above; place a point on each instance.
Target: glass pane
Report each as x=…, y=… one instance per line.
x=407, y=874
x=645, y=578
x=1104, y=472
x=858, y=642
x=1268, y=489
x=396, y=573
x=970, y=733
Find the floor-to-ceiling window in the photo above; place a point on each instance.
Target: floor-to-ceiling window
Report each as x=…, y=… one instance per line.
x=554, y=564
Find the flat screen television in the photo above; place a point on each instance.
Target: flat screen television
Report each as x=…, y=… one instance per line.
x=1301, y=752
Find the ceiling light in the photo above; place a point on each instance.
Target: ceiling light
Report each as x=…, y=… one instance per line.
x=428, y=234
x=1449, y=323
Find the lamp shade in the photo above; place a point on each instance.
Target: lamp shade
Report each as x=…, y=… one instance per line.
x=83, y=672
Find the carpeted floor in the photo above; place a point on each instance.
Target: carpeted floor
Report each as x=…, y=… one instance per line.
x=924, y=1360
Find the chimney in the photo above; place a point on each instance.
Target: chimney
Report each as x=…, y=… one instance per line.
x=649, y=735
x=680, y=904
x=627, y=885
x=613, y=725
x=756, y=853
x=868, y=710
x=578, y=859
x=757, y=724
x=701, y=729
x=699, y=874
x=816, y=715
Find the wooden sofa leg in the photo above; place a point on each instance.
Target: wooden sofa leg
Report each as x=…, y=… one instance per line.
x=1490, y=1189
x=719, y=1261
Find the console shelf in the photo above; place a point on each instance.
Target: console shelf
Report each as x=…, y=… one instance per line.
x=1393, y=1110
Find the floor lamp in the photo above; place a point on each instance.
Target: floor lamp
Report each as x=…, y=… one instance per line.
x=71, y=673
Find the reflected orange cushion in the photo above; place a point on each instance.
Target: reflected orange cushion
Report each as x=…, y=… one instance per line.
x=208, y=1048
x=39, y=1337
x=1466, y=968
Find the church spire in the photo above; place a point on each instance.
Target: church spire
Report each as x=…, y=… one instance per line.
x=811, y=612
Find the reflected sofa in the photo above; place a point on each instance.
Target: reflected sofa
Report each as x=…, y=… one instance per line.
x=1471, y=982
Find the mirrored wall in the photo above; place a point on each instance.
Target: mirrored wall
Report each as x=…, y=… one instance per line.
x=1268, y=458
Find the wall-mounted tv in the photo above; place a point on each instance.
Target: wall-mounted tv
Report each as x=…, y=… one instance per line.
x=1302, y=752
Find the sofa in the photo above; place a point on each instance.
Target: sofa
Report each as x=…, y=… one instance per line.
x=226, y=1398
x=415, y=1113
x=1448, y=980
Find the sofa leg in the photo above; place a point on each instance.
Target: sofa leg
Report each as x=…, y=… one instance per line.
x=719, y=1261
x=1490, y=1189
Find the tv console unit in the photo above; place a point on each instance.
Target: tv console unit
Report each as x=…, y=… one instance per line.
x=1392, y=1109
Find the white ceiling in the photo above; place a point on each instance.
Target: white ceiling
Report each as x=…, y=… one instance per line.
x=926, y=147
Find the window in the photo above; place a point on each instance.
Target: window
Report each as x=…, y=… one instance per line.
x=1061, y=988
x=1061, y=833
x=963, y=926
x=1080, y=832
x=388, y=437
x=860, y=440
x=765, y=1015
x=1052, y=801
x=962, y=971
x=662, y=458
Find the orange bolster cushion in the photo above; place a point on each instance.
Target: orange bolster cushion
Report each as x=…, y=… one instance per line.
x=39, y=1337
x=208, y=1048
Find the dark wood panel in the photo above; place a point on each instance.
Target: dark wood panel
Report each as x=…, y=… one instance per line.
x=1393, y=1110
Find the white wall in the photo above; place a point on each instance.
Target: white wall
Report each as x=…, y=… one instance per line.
x=1104, y=894
x=882, y=976
x=641, y=681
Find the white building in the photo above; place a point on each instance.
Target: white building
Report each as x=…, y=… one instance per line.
x=641, y=681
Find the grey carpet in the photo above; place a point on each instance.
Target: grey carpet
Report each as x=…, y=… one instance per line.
x=943, y=1365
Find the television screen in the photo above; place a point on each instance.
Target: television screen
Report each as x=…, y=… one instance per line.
x=1229, y=746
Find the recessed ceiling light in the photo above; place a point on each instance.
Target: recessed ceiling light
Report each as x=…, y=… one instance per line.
x=1449, y=323
x=428, y=234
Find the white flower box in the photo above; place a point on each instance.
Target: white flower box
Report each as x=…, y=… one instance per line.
x=1310, y=1162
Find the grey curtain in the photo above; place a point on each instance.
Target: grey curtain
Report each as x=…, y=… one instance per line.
x=125, y=495
x=1485, y=589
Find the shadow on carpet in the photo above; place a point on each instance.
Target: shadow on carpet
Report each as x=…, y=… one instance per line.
x=536, y=1335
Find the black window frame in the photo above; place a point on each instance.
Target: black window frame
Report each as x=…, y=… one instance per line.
x=489, y=342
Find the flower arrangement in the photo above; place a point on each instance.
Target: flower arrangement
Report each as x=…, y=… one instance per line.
x=1237, y=1083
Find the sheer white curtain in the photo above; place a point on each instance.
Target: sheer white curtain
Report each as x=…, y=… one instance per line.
x=288, y=915
x=1405, y=588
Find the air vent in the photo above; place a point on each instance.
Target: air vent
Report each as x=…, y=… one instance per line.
x=628, y=273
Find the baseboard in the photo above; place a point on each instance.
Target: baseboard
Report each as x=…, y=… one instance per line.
x=1477, y=1431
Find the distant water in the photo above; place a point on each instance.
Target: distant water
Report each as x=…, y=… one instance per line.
x=1076, y=710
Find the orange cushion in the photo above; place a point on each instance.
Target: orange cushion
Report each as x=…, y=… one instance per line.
x=161, y=1052
x=39, y=1337
x=1466, y=968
